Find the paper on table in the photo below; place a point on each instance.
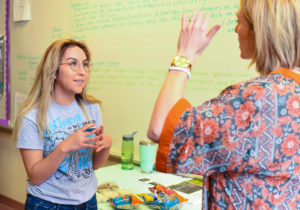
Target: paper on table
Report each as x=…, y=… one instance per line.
x=164, y=179
x=187, y=187
x=21, y=10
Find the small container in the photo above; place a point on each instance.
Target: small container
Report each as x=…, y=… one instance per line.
x=90, y=136
x=127, y=152
x=147, y=155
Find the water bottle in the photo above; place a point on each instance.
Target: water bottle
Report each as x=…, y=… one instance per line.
x=127, y=152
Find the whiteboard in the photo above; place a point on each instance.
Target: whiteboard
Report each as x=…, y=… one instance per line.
x=132, y=44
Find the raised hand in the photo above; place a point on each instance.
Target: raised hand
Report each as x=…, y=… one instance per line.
x=194, y=38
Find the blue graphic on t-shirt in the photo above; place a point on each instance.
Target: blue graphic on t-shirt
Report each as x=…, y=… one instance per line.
x=63, y=124
x=85, y=159
x=75, y=164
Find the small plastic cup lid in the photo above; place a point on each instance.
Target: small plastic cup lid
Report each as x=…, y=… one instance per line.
x=146, y=142
x=127, y=138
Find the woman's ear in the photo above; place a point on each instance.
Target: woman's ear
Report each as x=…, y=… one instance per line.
x=56, y=74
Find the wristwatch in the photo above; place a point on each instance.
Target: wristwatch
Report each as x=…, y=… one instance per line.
x=182, y=62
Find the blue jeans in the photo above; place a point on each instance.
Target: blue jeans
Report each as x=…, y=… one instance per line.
x=34, y=203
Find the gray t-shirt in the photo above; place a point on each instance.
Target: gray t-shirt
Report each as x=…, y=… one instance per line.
x=74, y=182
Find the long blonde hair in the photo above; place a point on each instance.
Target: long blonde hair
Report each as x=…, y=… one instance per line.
x=276, y=24
x=40, y=94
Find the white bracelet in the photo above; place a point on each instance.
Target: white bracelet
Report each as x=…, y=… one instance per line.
x=185, y=70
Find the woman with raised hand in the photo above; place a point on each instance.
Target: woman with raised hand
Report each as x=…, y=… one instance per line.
x=59, y=131
x=245, y=142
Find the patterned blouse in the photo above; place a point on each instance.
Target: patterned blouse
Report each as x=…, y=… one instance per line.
x=245, y=143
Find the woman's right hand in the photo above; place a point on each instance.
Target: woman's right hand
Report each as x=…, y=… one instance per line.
x=39, y=168
x=79, y=139
x=194, y=37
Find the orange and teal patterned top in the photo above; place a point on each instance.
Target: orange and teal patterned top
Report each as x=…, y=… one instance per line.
x=245, y=142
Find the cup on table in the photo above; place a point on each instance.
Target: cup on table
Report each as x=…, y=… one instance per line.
x=147, y=155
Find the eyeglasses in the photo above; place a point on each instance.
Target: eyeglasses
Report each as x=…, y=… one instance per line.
x=76, y=65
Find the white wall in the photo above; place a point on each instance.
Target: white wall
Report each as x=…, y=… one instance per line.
x=12, y=171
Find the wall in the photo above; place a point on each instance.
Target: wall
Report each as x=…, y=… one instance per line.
x=12, y=171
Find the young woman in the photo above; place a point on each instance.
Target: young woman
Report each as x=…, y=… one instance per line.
x=59, y=131
x=245, y=142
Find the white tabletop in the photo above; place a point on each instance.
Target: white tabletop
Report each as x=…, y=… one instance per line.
x=130, y=179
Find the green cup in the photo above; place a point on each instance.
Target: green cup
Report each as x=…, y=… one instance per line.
x=147, y=155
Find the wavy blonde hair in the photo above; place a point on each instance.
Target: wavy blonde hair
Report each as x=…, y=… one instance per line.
x=40, y=94
x=276, y=24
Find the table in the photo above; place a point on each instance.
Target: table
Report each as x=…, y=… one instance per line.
x=130, y=179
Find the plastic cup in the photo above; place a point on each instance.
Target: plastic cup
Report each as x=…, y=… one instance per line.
x=147, y=155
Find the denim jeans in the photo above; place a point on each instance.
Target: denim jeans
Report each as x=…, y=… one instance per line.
x=34, y=203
